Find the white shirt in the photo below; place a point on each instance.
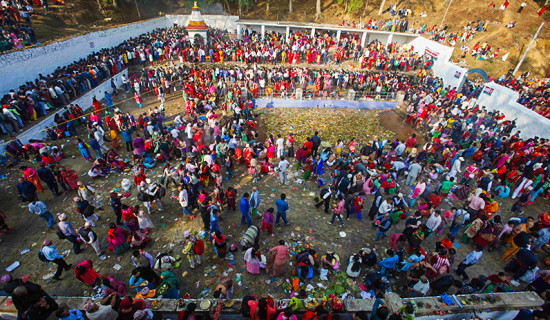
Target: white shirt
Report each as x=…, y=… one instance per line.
x=422, y=287
x=473, y=257
x=283, y=165
x=433, y=222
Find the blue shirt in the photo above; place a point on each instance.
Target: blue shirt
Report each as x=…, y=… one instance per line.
x=50, y=252
x=503, y=191
x=245, y=206
x=389, y=262
x=282, y=206
x=74, y=315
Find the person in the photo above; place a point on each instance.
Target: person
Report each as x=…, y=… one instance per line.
x=111, y=285
x=380, y=311
x=433, y=223
x=224, y=289
x=354, y=266
x=282, y=208
x=421, y=288
x=46, y=175
x=189, y=249
x=278, y=258
x=287, y=314
x=26, y=190
x=116, y=204
x=183, y=199
x=252, y=260
x=220, y=244
x=255, y=201
x=145, y=262
x=173, y=284
x=67, y=231
x=325, y=197
x=389, y=263
x=245, y=210
x=117, y=239
x=471, y=259
x=40, y=209
x=50, y=254
x=105, y=310
x=383, y=224
x=261, y=310
x=283, y=167
x=89, y=237
x=339, y=211
x=164, y=262
x=267, y=221
x=32, y=302
x=64, y=313
x=86, y=273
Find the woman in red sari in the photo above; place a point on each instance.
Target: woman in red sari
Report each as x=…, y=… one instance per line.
x=31, y=175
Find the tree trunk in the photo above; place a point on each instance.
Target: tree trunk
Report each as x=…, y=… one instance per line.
x=290, y=6
x=267, y=5
x=240, y=8
x=99, y=5
x=381, y=7
x=366, y=5
x=137, y=8
x=227, y=6
x=115, y=3
x=318, y=10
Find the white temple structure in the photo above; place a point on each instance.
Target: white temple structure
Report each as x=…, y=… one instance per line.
x=196, y=24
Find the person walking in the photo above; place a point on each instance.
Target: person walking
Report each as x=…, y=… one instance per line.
x=116, y=204
x=469, y=261
x=67, y=231
x=190, y=251
x=50, y=254
x=26, y=190
x=255, y=202
x=283, y=166
x=282, y=208
x=245, y=210
x=46, y=175
x=87, y=192
x=339, y=211
x=183, y=199
x=90, y=237
x=40, y=209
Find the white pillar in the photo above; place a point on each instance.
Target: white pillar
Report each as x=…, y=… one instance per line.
x=287, y=35
x=364, y=39
x=263, y=32
x=390, y=38
x=312, y=33
x=238, y=30
x=338, y=35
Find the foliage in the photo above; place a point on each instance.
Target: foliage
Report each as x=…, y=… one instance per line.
x=352, y=5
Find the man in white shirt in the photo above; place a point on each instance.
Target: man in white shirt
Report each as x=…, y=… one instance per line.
x=386, y=206
x=283, y=166
x=280, y=142
x=104, y=311
x=433, y=222
x=420, y=289
x=469, y=261
x=183, y=199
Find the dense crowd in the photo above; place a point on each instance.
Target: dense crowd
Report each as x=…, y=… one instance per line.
x=471, y=156
x=533, y=93
x=35, y=99
x=16, y=25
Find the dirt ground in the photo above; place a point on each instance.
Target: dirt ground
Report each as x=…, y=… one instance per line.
x=308, y=224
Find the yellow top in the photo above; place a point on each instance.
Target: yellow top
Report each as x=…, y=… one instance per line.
x=195, y=7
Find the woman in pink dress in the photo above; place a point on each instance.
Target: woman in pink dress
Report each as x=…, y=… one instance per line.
x=117, y=239
x=279, y=260
x=31, y=175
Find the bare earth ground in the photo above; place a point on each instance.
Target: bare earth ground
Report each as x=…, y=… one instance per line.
x=308, y=225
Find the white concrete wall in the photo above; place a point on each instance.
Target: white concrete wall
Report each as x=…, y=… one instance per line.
x=444, y=52
x=85, y=102
x=530, y=123
x=16, y=68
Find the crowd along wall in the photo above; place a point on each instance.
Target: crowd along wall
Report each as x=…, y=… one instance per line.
x=38, y=131
x=22, y=66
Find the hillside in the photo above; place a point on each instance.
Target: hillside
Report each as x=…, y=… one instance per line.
x=82, y=16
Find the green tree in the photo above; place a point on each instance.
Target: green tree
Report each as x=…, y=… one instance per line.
x=351, y=5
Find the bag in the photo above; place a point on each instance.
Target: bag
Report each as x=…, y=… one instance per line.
x=296, y=304
x=199, y=247
x=459, y=219
x=142, y=196
x=60, y=234
x=159, y=258
x=161, y=192
x=42, y=257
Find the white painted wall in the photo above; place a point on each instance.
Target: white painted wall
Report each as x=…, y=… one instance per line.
x=16, y=68
x=85, y=102
x=529, y=122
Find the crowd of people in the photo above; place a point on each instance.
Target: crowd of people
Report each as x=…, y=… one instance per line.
x=16, y=25
x=471, y=156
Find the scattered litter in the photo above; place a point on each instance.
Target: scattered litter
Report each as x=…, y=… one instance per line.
x=117, y=267
x=13, y=266
x=25, y=251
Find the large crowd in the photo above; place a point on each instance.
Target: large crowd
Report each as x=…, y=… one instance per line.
x=471, y=156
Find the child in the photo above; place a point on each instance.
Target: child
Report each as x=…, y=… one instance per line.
x=267, y=222
x=144, y=221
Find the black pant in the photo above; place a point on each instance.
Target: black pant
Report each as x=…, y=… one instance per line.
x=314, y=150
x=61, y=265
x=76, y=244
x=149, y=274
x=54, y=188
x=516, y=268
x=129, y=146
x=326, y=202
x=118, y=213
x=461, y=270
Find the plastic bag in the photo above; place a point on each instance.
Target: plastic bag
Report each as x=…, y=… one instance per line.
x=323, y=275
x=126, y=185
x=296, y=304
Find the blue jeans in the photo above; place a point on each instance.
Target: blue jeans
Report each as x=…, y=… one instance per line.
x=186, y=211
x=454, y=229
x=48, y=217
x=379, y=234
x=247, y=217
x=279, y=216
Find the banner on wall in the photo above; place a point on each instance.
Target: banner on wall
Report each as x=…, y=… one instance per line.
x=458, y=74
x=488, y=90
x=432, y=52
